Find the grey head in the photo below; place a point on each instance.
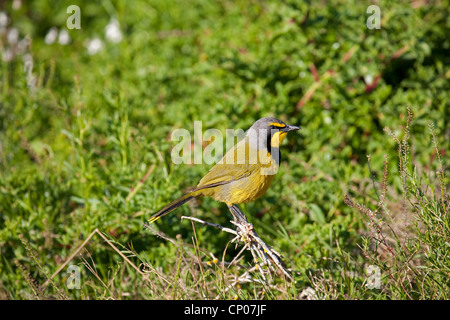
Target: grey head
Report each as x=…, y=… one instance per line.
x=261, y=132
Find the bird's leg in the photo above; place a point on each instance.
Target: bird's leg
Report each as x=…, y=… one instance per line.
x=246, y=233
x=238, y=215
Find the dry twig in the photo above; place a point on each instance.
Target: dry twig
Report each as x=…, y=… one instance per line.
x=260, y=251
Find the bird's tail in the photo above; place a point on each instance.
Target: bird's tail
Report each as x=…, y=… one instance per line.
x=172, y=206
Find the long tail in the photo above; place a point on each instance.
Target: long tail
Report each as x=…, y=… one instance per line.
x=172, y=206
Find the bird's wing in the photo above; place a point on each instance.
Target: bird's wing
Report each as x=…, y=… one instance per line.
x=236, y=164
x=222, y=174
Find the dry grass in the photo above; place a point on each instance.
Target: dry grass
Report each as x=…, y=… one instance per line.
x=400, y=239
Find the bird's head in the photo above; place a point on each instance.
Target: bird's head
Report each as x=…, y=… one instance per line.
x=270, y=132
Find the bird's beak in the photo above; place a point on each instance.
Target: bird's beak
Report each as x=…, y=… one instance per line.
x=290, y=128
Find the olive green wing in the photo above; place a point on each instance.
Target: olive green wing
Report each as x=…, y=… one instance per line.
x=234, y=165
x=222, y=174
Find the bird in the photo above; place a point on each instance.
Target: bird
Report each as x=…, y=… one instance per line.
x=244, y=173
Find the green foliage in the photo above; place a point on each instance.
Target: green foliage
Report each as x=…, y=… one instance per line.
x=79, y=132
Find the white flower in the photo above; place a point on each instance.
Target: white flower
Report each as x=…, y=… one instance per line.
x=93, y=46
x=23, y=45
x=16, y=4
x=64, y=37
x=13, y=36
x=7, y=55
x=112, y=31
x=368, y=79
x=27, y=64
x=300, y=63
x=3, y=19
x=308, y=294
x=51, y=35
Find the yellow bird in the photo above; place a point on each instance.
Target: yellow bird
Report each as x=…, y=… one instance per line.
x=245, y=172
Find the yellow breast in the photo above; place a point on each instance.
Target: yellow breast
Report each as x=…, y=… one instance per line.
x=249, y=189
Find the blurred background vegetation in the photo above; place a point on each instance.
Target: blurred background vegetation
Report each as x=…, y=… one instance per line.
x=86, y=113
